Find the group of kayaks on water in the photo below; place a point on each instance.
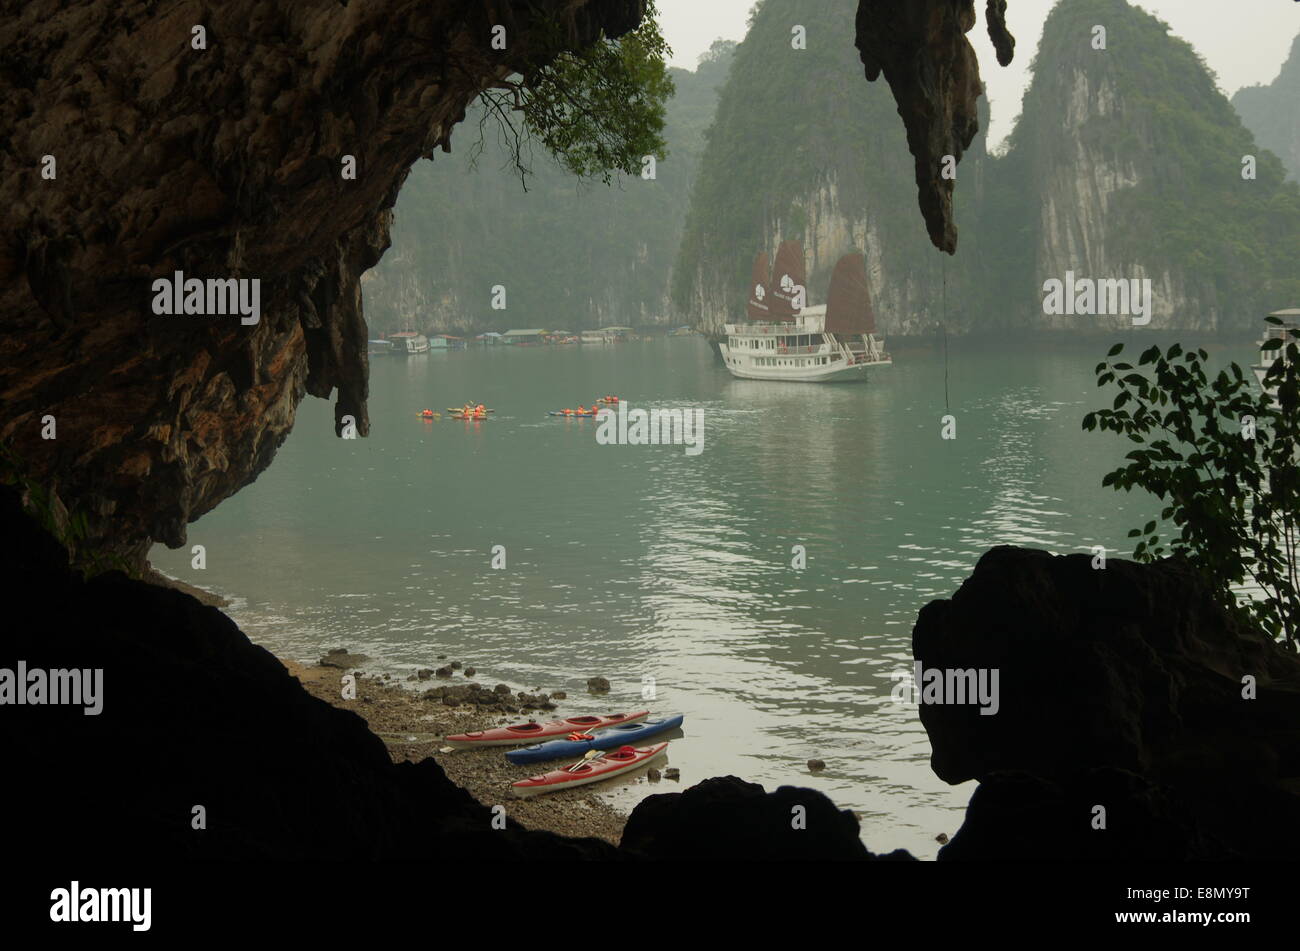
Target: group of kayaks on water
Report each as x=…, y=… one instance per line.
x=479, y=411
x=603, y=743
x=467, y=411
x=583, y=411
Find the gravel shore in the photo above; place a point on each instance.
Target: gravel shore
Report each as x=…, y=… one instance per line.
x=412, y=727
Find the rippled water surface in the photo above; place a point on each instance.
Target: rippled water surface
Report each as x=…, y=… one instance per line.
x=638, y=562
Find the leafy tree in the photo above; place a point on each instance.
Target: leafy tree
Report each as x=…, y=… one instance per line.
x=579, y=253
x=598, y=111
x=1225, y=458
x=720, y=51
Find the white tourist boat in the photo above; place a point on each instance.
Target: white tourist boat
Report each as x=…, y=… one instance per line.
x=1288, y=334
x=783, y=339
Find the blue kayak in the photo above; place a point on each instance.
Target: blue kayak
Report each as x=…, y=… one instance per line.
x=611, y=738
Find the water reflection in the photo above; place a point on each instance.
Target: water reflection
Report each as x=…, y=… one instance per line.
x=636, y=562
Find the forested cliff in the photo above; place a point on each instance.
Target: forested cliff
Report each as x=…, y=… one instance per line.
x=1272, y=113
x=797, y=153
x=570, y=253
x=1126, y=163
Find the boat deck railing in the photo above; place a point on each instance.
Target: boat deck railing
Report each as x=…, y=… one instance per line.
x=852, y=356
x=771, y=329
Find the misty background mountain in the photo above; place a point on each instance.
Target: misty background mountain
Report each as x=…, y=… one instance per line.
x=1272, y=112
x=571, y=254
x=1126, y=162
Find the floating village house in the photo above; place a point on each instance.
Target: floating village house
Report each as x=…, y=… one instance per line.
x=523, y=337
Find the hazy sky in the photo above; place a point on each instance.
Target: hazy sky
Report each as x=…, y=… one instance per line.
x=1243, y=41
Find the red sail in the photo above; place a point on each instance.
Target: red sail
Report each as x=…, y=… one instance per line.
x=788, y=291
x=848, y=302
x=758, y=293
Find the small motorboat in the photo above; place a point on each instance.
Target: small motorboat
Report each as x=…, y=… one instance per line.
x=593, y=770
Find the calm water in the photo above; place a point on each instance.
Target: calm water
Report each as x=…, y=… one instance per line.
x=641, y=561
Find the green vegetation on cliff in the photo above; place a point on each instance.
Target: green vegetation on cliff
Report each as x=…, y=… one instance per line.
x=804, y=147
x=1125, y=162
x=571, y=253
x=1272, y=113
x=1162, y=134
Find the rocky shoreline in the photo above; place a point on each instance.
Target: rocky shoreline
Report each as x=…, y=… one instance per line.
x=1137, y=720
x=1167, y=802
x=412, y=726
x=152, y=575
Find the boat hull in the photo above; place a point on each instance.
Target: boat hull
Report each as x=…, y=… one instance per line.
x=521, y=734
x=844, y=373
x=608, y=767
x=604, y=740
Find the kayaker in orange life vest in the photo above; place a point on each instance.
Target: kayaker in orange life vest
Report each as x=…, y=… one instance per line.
x=582, y=410
x=480, y=408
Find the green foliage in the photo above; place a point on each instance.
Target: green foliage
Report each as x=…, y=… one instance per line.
x=1225, y=460
x=799, y=133
x=1189, y=212
x=598, y=110
x=574, y=253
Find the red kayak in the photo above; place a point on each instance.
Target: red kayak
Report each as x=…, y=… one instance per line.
x=611, y=764
x=524, y=733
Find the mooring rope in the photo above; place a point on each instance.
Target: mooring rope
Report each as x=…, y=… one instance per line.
x=943, y=263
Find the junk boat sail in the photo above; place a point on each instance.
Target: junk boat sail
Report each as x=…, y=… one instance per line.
x=783, y=339
x=1287, y=332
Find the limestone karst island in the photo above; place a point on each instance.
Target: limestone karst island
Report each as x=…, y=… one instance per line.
x=445, y=444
